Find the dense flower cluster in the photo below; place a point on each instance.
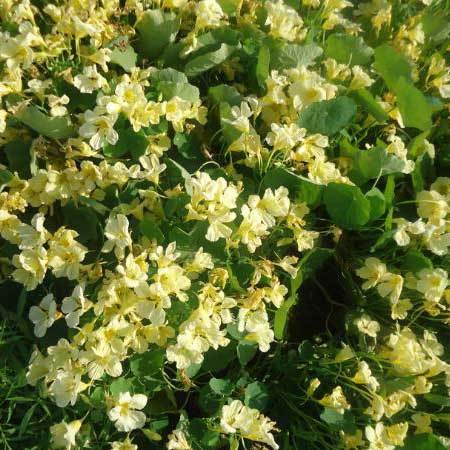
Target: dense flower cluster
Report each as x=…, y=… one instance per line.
x=174, y=172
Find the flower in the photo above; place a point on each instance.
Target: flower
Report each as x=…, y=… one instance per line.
x=65, y=254
x=66, y=387
x=284, y=21
x=31, y=266
x=248, y=423
x=391, y=286
x=336, y=400
x=100, y=360
x=124, y=445
x=117, y=234
x=90, y=80
x=364, y=376
x=57, y=105
x=432, y=283
x=3, y=115
x=372, y=271
x=377, y=438
x=178, y=441
x=209, y=14
x=64, y=434
x=212, y=200
x=98, y=127
x=367, y=326
x=44, y=315
x=432, y=206
x=75, y=306
x=126, y=413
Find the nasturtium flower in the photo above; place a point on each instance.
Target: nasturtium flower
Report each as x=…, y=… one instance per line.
x=44, y=315
x=236, y=418
x=123, y=445
x=64, y=434
x=126, y=412
x=75, y=306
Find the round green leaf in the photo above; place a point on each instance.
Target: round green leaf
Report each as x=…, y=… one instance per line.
x=346, y=205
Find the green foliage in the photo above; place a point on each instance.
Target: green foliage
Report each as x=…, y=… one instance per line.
x=346, y=205
x=129, y=141
x=157, y=29
x=422, y=441
x=123, y=54
x=348, y=49
x=328, y=117
x=151, y=230
x=51, y=127
x=377, y=203
x=413, y=105
x=285, y=56
x=396, y=72
x=365, y=99
x=276, y=313
x=302, y=188
x=256, y=395
x=81, y=219
x=207, y=61
x=19, y=157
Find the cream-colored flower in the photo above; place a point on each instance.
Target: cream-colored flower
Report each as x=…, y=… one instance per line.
x=178, y=441
x=336, y=400
x=64, y=434
x=126, y=412
x=90, y=80
x=367, y=326
x=432, y=206
x=284, y=21
x=118, y=235
x=65, y=254
x=123, y=445
x=31, y=266
x=3, y=115
x=44, y=315
x=99, y=128
x=209, y=14
x=57, y=105
x=390, y=286
x=372, y=271
x=75, y=306
x=249, y=423
x=432, y=284
x=66, y=387
x=364, y=376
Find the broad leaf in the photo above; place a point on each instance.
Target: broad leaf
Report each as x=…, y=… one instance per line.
x=256, y=395
x=414, y=261
x=156, y=30
x=185, y=91
x=286, y=56
x=123, y=54
x=422, y=441
x=348, y=49
x=151, y=230
x=328, y=117
x=377, y=203
x=346, y=205
x=51, y=127
x=365, y=99
x=391, y=65
x=263, y=66
x=413, y=106
x=221, y=386
x=200, y=64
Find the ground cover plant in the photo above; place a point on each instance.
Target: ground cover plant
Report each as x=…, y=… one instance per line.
x=224, y=224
